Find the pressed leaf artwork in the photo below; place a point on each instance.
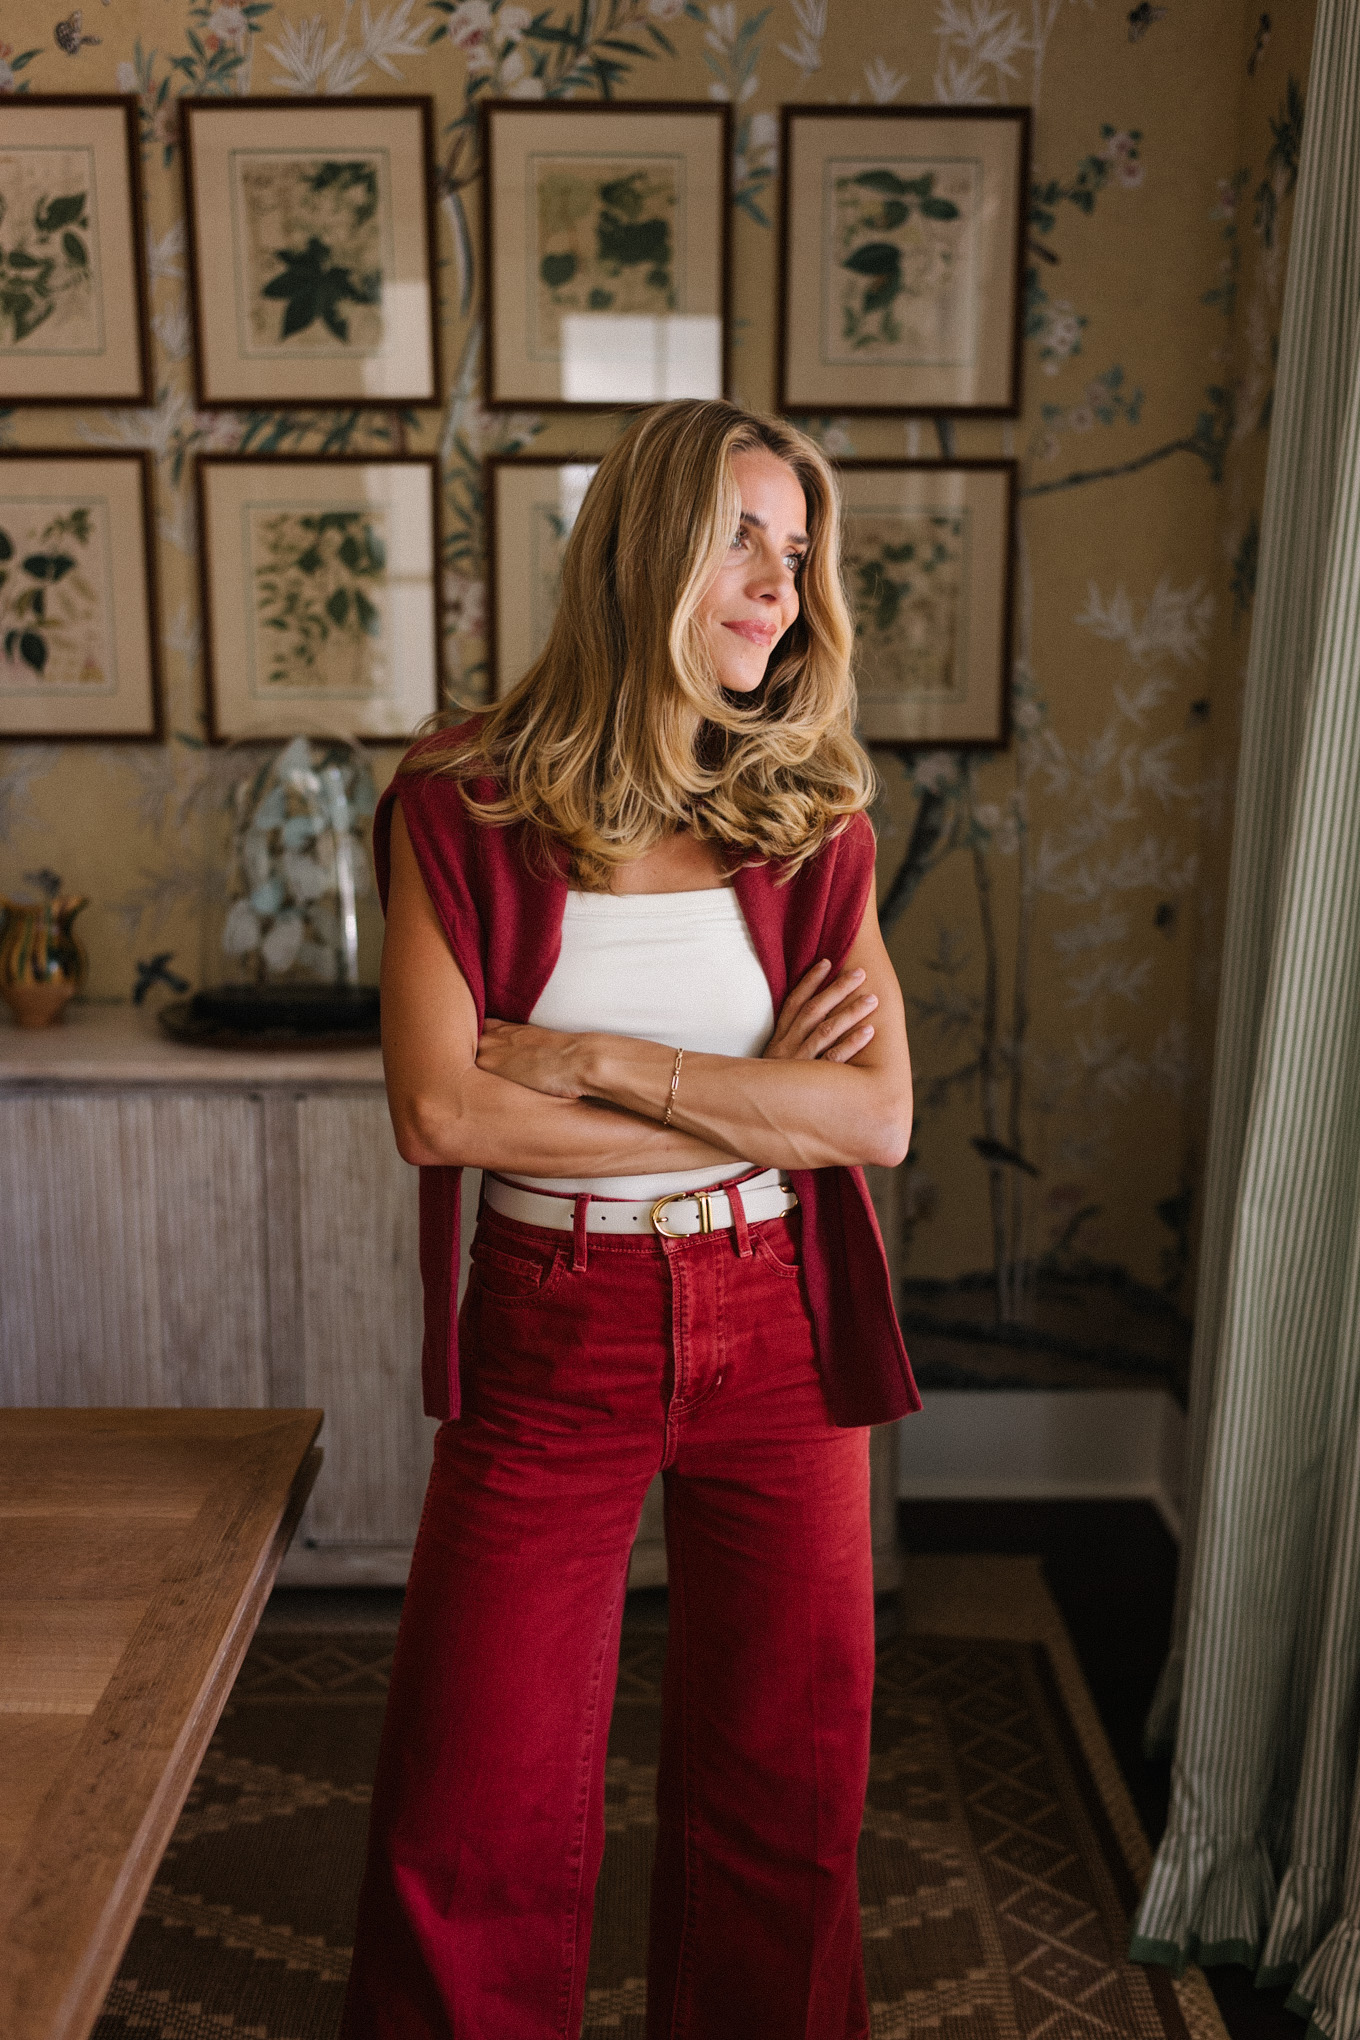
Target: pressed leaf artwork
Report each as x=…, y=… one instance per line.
x=901, y=244
x=48, y=300
x=310, y=240
x=55, y=620
x=906, y=571
x=606, y=240
x=320, y=580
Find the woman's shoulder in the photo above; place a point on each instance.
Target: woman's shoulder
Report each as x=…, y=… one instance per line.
x=428, y=755
x=430, y=797
x=438, y=769
x=844, y=855
x=857, y=839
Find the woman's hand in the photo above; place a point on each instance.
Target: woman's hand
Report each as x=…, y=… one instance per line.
x=823, y=1021
x=539, y=1058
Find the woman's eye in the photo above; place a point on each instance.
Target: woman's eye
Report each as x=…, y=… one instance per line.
x=794, y=562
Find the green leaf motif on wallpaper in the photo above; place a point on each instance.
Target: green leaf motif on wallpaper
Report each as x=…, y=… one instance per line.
x=218, y=38
x=10, y=66
x=46, y=601
x=44, y=262
x=1058, y=327
x=219, y=41
x=1282, y=161
x=319, y=578
x=585, y=53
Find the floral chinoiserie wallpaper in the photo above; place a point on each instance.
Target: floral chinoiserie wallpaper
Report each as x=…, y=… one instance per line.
x=1054, y=912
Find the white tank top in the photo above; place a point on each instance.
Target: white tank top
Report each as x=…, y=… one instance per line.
x=678, y=968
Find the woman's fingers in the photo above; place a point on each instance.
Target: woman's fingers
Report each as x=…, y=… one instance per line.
x=794, y=1002
x=806, y=985
x=816, y=1010
x=849, y=1045
x=815, y=1002
x=830, y=1009
x=849, y=1015
x=825, y=1021
x=816, y=1014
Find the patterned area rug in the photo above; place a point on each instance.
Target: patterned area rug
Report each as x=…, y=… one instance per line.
x=996, y=1888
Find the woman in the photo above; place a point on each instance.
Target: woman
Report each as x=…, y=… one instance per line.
x=599, y=895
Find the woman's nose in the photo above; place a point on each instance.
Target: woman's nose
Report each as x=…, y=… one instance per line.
x=767, y=579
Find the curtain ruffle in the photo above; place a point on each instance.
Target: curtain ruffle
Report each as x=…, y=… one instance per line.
x=1208, y=1900
x=1309, y=1899
x=1327, y=1993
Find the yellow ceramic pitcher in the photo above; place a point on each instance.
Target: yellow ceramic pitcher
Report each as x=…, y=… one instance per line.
x=42, y=965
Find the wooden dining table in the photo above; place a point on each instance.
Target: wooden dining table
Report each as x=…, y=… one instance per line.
x=137, y=1550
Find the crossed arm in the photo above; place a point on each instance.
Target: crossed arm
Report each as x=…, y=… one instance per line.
x=832, y=1086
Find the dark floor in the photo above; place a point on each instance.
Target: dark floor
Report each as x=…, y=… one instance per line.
x=1111, y=1568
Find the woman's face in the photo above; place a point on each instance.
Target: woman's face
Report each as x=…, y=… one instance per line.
x=753, y=598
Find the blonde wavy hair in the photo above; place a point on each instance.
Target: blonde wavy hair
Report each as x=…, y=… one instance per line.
x=620, y=733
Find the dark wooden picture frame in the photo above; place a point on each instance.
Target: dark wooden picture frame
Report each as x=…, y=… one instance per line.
x=895, y=394
x=500, y=392
x=496, y=468
x=219, y=393
x=983, y=626
x=317, y=711
x=123, y=266
x=141, y=632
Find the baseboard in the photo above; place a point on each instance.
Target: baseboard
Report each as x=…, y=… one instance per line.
x=345, y=1565
x=1046, y=1445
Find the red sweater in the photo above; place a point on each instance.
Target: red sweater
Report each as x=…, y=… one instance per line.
x=504, y=926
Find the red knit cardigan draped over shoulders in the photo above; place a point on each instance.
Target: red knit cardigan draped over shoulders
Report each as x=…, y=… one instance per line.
x=503, y=920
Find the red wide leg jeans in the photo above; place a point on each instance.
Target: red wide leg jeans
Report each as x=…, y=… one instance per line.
x=589, y=1364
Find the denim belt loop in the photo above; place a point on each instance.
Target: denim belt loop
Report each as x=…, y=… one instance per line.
x=741, y=1231
x=578, y=1234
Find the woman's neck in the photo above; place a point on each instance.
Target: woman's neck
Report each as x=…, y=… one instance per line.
x=679, y=864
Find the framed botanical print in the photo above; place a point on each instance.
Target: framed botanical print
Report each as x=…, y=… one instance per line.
x=319, y=589
x=311, y=243
x=72, y=276
x=926, y=555
x=532, y=501
x=77, y=597
x=901, y=258
x=605, y=239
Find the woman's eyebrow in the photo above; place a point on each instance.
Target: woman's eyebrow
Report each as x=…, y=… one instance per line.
x=761, y=524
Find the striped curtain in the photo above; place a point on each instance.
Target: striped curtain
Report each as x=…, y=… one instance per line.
x=1261, y=1859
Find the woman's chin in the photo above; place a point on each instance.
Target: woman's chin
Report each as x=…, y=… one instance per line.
x=743, y=678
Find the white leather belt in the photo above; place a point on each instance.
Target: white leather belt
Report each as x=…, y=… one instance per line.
x=682, y=1213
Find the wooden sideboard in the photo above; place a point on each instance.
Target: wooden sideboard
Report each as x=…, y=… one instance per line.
x=211, y=1228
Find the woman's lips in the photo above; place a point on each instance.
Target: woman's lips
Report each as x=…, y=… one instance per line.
x=757, y=633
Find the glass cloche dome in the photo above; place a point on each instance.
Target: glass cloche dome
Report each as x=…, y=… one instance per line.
x=291, y=927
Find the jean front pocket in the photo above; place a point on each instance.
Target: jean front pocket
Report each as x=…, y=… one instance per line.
x=515, y=1278
x=776, y=1243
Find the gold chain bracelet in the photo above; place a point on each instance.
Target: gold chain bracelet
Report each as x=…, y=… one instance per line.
x=675, y=1085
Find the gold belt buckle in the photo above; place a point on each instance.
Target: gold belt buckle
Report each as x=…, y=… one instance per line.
x=700, y=1197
